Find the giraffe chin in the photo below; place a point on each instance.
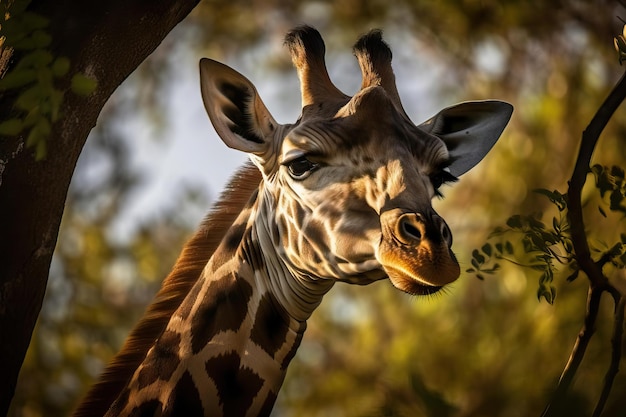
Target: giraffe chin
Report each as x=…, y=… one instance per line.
x=419, y=283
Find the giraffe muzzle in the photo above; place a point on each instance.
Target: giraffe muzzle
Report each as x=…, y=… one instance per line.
x=415, y=251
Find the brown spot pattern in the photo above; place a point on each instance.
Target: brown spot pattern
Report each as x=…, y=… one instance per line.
x=290, y=355
x=119, y=404
x=237, y=386
x=268, y=405
x=221, y=309
x=270, y=329
x=234, y=236
x=187, y=305
x=162, y=361
x=184, y=399
x=150, y=408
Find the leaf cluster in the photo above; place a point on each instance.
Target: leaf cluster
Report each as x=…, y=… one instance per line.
x=545, y=247
x=35, y=77
x=548, y=248
x=610, y=180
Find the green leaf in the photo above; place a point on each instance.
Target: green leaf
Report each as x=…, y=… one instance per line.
x=548, y=293
x=514, y=222
x=55, y=100
x=11, y=127
x=35, y=59
x=499, y=247
x=29, y=99
x=573, y=275
x=478, y=257
x=34, y=136
x=45, y=80
x=508, y=246
x=41, y=39
x=32, y=117
x=16, y=79
x=83, y=85
x=487, y=249
x=558, y=199
x=41, y=150
x=60, y=67
x=24, y=44
x=535, y=223
x=39, y=132
x=33, y=21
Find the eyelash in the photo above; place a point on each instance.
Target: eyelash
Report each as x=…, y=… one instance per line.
x=441, y=178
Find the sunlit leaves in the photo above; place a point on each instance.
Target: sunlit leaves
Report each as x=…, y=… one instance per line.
x=542, y=246
x=35, y=77
x=547, y=249
x=610, y=181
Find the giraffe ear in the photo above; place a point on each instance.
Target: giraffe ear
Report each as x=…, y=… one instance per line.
x=235, y=108
x=469, y=130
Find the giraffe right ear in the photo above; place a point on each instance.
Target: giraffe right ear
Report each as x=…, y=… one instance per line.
x=235, y=108
x=469, y=130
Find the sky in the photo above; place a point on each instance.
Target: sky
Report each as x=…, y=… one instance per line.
x=189, y=152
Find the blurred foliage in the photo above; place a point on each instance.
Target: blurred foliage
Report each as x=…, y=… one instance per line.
x=35, y=77
x=482, y=348
x=99, y=283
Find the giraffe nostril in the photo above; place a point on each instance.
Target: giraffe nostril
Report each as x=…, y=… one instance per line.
x=410, y=228
x=444, y=230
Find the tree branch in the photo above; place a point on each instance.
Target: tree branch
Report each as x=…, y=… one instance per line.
x=598, y=283
x=616, y=356
x=590, y=138
x=578, y=352
x=106, y=40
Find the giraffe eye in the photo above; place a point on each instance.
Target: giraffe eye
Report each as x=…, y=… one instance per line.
x=300, y=168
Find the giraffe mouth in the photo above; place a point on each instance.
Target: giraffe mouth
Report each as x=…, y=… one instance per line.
x=410, y=284
x=419, y=271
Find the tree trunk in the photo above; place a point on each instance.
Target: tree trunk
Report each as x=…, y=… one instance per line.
x=106, y=40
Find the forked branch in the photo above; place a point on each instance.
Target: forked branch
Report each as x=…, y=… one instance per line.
x=598, y=282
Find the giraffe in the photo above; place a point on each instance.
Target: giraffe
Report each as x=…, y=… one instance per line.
x=341, y=195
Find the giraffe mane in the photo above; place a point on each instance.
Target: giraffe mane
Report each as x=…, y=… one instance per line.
x=175, y=287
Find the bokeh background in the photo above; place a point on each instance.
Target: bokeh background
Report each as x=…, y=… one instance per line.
x=153, y=164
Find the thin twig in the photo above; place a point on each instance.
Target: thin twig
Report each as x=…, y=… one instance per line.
x=616, y=355
x=578, y=352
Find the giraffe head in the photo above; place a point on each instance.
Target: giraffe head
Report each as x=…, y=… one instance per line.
x=347, y=189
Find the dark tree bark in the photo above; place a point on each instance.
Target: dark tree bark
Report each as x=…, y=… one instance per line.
x=106, y=40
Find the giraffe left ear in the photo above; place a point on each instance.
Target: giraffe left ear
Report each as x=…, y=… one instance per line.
x=469, y=130
x=235, y=108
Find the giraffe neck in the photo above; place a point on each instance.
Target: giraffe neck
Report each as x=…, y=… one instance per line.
x=226, y=349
